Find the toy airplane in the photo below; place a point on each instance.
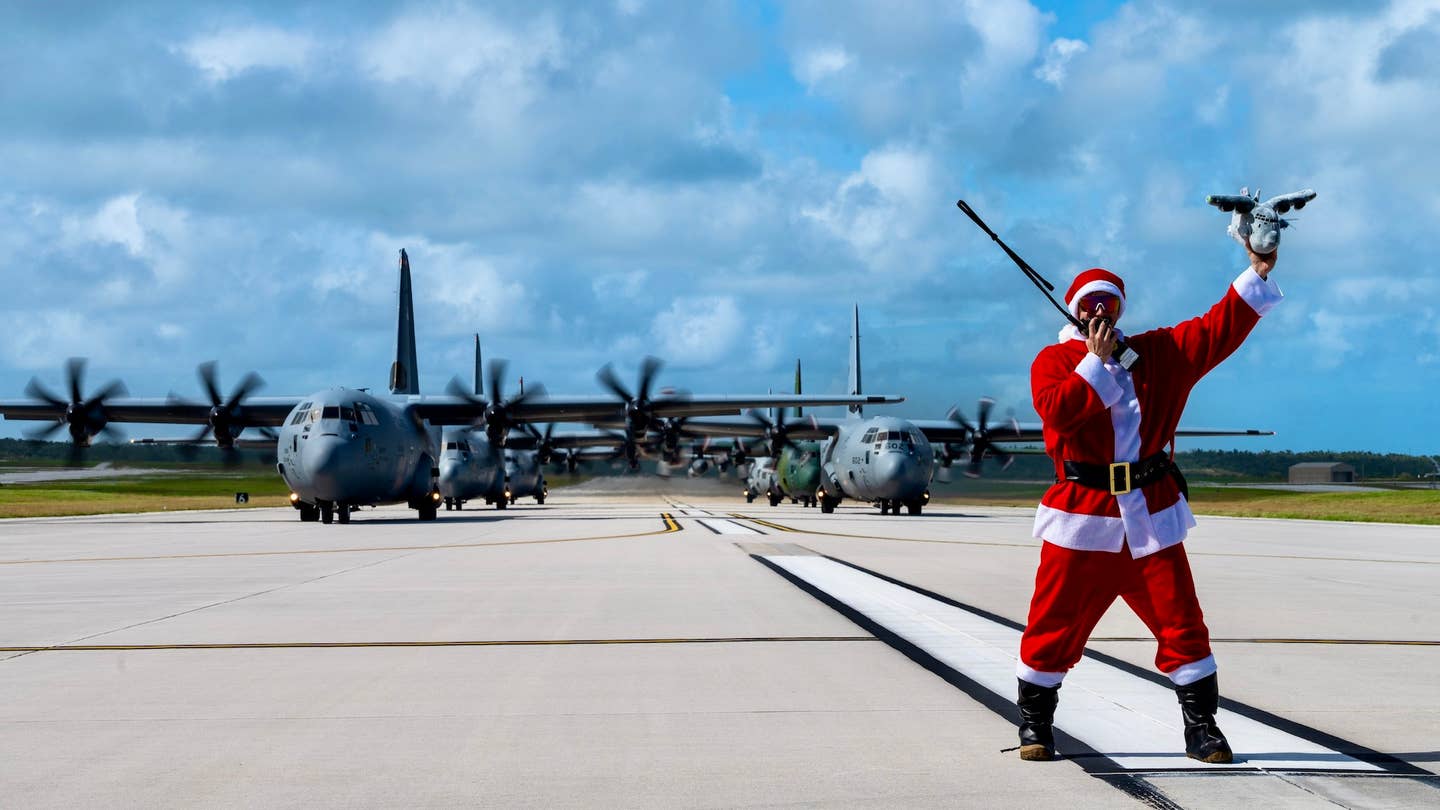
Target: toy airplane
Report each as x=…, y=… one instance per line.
x=1258, y=222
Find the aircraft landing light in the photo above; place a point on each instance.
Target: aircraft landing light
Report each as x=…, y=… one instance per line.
x=1114, y=718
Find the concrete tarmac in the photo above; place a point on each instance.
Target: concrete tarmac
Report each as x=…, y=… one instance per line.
x=638, y=650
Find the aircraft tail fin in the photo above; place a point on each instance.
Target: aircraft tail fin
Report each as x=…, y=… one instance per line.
x=403, y=373
x=855, y=388
x=479, y=380
x=799, y=411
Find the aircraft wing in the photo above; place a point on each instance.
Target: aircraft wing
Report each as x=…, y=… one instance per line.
x=452, y=410
x=259, y=411
x=1295, y=199
x=945, y=431
x=565, y=440
x=267, y=443
x=1232, y=202
x=806, y=427
x=1196, y=432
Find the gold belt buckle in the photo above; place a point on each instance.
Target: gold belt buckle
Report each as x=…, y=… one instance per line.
x=1122, y=467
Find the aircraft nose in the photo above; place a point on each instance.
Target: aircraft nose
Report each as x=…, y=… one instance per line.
x=326, y=460
x=899, y=476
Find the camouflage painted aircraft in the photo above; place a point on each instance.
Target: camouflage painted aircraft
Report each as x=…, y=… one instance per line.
x=342, y=448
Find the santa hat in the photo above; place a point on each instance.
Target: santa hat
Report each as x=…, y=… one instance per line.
x=1094, y=280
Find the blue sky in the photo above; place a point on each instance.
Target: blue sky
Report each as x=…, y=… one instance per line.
x=717, y=183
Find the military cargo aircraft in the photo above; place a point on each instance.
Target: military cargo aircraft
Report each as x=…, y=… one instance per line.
x=344, y=448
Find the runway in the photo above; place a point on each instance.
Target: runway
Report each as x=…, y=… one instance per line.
x=652, y=650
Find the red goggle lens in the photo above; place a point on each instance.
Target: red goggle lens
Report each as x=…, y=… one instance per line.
x=1092, y=302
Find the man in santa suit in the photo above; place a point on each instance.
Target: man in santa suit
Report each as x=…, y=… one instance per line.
x=1114, y=521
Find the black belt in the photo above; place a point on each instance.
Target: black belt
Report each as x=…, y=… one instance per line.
x=1120, y=478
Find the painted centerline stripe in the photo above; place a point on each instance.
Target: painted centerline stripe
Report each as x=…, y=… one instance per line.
x=1117, y=719
x=721, y=526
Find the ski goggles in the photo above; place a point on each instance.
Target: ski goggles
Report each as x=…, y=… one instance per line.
x=1092, y=303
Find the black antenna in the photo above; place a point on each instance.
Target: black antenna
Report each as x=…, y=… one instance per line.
x=1126, y=355
x=1030, y=272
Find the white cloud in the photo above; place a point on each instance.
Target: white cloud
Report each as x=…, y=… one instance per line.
x=453, y=49
x=817, y=64
x=1057, y=59
x=698, y=331
x=226, y=54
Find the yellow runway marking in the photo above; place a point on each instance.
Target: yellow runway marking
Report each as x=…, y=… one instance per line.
x=1360, y=641
x=307, y=645
x=671, y=526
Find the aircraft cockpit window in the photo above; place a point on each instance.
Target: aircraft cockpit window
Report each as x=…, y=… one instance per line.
x=347, y=413
x=314, y=414
x=367, y=415
x=330, y=412
x=869, y=436
x=452, y=446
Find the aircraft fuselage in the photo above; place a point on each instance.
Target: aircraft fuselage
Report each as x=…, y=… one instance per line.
x=343, y=448
x=883, y=459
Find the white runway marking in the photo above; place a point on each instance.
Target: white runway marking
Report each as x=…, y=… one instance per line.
x=727, y=527
x=1130, y=720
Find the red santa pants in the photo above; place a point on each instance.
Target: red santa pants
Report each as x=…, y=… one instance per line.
x=1073, y=589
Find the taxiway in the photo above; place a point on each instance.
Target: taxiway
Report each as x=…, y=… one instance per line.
x=650, y=650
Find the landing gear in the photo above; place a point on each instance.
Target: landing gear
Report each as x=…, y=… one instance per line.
x=427, y=511
x=540, y=499
x=914, y=507
x=309, y=513
x=327, y=513
x=501, y=503
x=749, y=497
x=449, y=504
x=827, y=503
x=342, y=512
x=775, y=499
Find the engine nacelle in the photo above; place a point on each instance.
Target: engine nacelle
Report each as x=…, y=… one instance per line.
x=699, y=467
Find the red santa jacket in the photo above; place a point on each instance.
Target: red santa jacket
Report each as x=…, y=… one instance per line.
x=1099, y=413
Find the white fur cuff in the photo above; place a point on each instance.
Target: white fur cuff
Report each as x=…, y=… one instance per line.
x=1261, y=294
x=1093, y=370
x=1186, y=674
x=1038, y=678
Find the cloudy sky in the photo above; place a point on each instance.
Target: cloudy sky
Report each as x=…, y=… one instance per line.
x=717, y=184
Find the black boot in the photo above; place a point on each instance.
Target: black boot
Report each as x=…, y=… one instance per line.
x=1198, y=704
x=1037, y=720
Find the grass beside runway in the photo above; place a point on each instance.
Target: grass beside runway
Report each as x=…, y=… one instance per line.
x=1389, y=506
x=158, y=493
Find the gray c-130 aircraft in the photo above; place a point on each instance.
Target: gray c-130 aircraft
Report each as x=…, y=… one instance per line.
x=344, y=448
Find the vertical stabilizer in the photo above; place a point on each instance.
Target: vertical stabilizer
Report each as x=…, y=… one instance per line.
x=403, y=374
x=855, y=389
x=479, y=384
x=799, y=411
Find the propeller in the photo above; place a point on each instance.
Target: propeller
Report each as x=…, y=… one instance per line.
x=777, y=434
x=639, y=408
x=84, y=417
x=981, y=439
x=544, y=442
x=496, y=417
x=227, y=417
